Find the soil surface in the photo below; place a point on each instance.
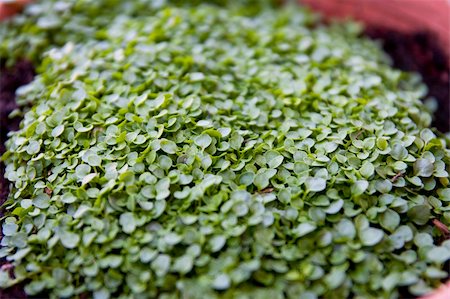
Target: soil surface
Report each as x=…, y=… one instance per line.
x=418, y=52
x=10, y=79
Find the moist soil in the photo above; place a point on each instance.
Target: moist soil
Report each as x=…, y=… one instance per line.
x=417, y=52
x=10, y=79
x=420, y=52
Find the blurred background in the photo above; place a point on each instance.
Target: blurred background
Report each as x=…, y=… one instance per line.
x=415, y=33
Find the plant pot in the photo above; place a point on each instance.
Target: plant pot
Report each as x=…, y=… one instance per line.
x=401, y=15
x=373, y=13
x=406, y=26
x=8, y=9
x=416, y=33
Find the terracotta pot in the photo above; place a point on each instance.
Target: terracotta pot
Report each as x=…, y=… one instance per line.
x=402, y=15
x=407, y=16
x=9, y=9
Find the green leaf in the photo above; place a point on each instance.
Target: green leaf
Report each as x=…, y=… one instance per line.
x=82, y=209
x=383, y=186
x=359, y=187
x=169, y=146
x=9, y=228
x=435, y=273
x=367, y=169
x=274, y=159
x=224, y=132
x=102, y=294
x=346, y=228
x=33, y=147
x=88, y=178
x=79, y=94
x=246, y=178
x=94, y=160
x=69, y=240
x=427, y=135
x=389, y=220
x=335, y=207
x=221, y=282
x=423, y=168
x=57, y=131
x=5, y=279
x=423, y=239
x=370, y=236
x=315, y=184
x=42, y=201
x=401, y=235
x=183, y=264
x=390, y=281
x=303, y=229
x=420, y=214
x=261, y=181
x=161, y=265
x=217, y=243
x=197, y=77
x=162, y=189
x=127, y=222
x=236, y=141
x=399, y=152
x=82, y=170
x=204, y=123
x=68, y=198
x=335, y=278
x=203, y=141
x=26, y=203
x=438, y=254
x=147, y=255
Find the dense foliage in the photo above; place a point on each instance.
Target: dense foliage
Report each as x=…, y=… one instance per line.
x=206, y=151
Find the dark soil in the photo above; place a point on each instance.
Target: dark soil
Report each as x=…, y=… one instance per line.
x=420, y=52
x=10, y=79
x=416, y=52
